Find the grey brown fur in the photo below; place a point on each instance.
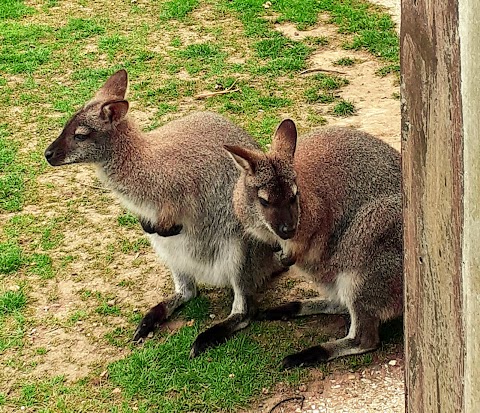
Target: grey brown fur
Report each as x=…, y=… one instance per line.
x=179, y=181
x=339, y=195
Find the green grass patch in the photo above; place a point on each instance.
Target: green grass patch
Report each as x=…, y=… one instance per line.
x=163, y=377
x=12, y=301
x=14, y=9
x=344, y=108
x=344, y=61
x=11, y=257
x=127, y=220
x=177, y=9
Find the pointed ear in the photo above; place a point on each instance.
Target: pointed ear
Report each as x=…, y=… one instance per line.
x=285, y=140
x=115, y=88
x=245, y=159
x=114, y=111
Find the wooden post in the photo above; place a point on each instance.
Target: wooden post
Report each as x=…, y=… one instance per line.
x=440, y=43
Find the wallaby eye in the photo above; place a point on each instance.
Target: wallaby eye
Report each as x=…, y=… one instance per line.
x=293, y=199
x=80, y=137
x=263, y=202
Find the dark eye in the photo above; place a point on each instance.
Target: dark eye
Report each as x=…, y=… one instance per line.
x=293, y=199
x=79, y=137
x=263, y=202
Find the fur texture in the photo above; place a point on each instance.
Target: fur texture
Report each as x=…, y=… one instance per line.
x=347, y=226
x=179, y=182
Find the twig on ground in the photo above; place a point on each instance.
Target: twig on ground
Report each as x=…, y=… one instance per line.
x=299, y=398
x=319, y=69
x=220, y=92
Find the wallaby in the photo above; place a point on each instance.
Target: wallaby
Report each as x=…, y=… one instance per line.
x=335, y=207
x=179, y=181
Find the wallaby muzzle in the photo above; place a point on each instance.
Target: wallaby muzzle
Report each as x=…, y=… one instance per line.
x=285, y=231
x=54, y=155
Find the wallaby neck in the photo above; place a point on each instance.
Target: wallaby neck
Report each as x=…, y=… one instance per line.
x=127, y=164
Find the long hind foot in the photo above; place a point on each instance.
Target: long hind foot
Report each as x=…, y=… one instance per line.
x=363, y=337
x=218, y=333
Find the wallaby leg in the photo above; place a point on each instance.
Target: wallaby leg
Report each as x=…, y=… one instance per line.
x=302, y=308
x=242, y=308
x=185, y=290
x=362, y=337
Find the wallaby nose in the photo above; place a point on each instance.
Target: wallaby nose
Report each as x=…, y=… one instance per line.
x=286, y=231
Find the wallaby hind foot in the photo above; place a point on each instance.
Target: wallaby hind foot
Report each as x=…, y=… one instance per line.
x=363, y=337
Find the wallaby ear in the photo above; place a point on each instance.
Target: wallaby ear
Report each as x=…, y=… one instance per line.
x=285, y=139
x=114, y=111
x=115, y=88
x=244, y=158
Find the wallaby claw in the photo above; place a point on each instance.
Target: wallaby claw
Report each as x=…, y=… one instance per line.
x=149, y=322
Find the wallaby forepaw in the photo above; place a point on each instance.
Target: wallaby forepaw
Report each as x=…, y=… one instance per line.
x=149, y=322
x=147, y=227
x=286, y=260
x=169, y=232
x=212, y=337
x=163, y=232
x=309, y=357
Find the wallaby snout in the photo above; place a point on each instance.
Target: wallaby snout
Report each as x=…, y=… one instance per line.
x=54, y=154
x=286, y=231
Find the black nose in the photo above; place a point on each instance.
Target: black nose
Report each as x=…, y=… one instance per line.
x=48, y=154
x=286, y=231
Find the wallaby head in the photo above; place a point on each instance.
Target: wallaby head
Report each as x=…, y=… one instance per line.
x=267, y=194
x=86, y=135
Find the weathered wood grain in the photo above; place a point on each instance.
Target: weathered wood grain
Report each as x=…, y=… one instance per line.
x=432, y=151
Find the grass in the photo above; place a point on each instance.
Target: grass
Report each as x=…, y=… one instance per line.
x=73, y=265
x=344, y=61
x=344, y=108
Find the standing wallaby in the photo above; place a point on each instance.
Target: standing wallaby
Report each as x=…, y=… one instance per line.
x=336, y=210
x=179, y=181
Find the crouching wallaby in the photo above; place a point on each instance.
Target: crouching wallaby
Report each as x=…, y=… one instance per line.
x=179, y=181
x=336, y=210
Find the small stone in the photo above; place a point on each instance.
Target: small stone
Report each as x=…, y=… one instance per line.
x=392, y=362
x=351, y=377
x=337, y=386
x=231, y=375
x=150, y=335
x=212, y=316
x=265, y=390
x=267, y=5
x=111, y=303
x=116, y=390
